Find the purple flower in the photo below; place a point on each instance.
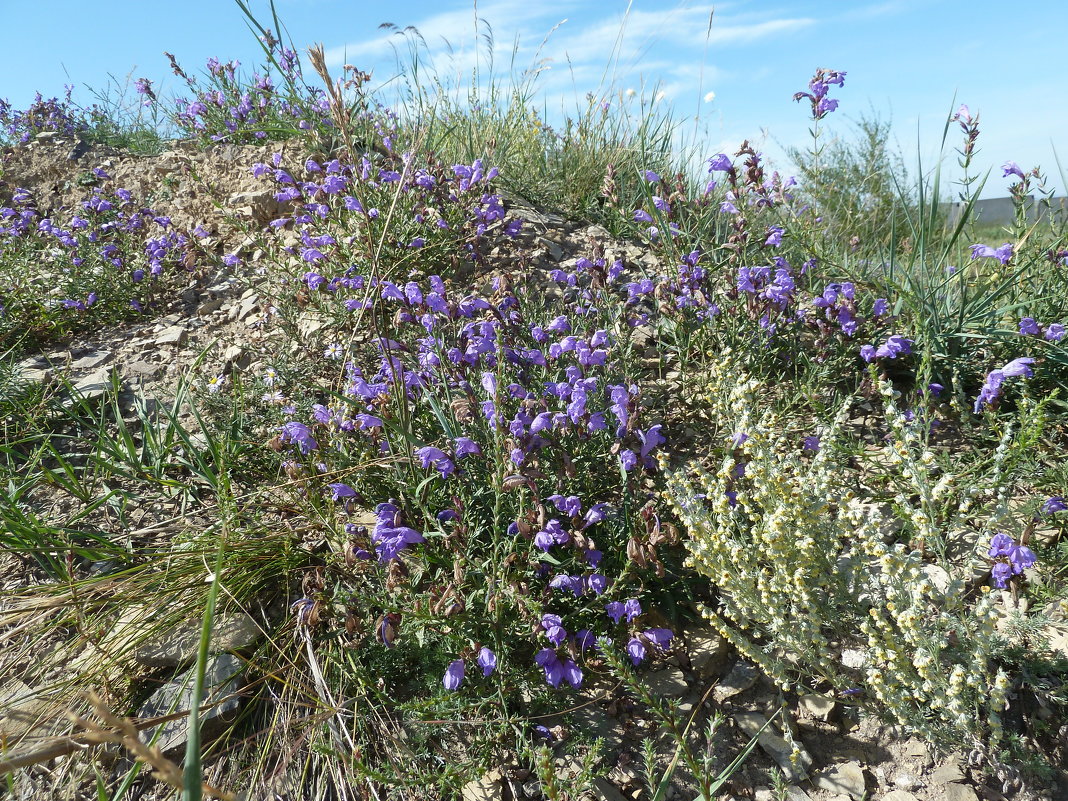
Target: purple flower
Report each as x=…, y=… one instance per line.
x=300, y=435
x=340, y=491
x=566, y=582
x=1002, y=253
x=554, y=628
x=487, y=660
x=1000, y=545
x=774, y=236
x=811, y=444
x=659, y=637
x=1018, y=367
x=636, y=650
x=571, y=505
x=1001, y=573
x=1011, y=168
x=597, y=583
x=880, y=307
x=652, y=177
x=572, y=673
x=1053, y=505
x=895, y=345
x=454, y=676
x=1054, y=332
x=465, y=446
x=550, y=663
x=430, y=455
x=642, y=216
x=650, y=439
x=720, y=163
x=1028, y=327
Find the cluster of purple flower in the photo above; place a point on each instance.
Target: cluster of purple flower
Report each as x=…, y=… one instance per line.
x=991, y=389
x=450, y=205
x=53, y=114
x=98, y=254
x=894, y=346
x=1054, y=332
x=818, y=86
x=1010, y=558
x=238, y=110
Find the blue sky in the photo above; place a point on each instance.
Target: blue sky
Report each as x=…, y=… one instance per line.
x=909, y=61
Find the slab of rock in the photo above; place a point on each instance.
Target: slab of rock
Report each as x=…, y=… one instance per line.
x=91, y=360
x=488, y=788
x=667, y=683
x=954, y=792
x=740, y=678
x=173, y=335
x=21, y=710
x=142, y=370
x=846, y=778
x=708, y=652
x=899, y=795
x=94, y=385
x=947, y=772
x=35, y=370
x=604, y=790
x=222, y=678
x=179, y=645
x=775, y=746
x=817, y=706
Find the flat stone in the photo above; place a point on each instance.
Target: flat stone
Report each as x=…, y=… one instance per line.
x=179, y=646
x=35, y=370
x=903, y=780
x=221, y=679
x=91, y=360
x=593, y=721
x=775, y=746
x=604, y=790
x=817, y=706
x=947, y=772
x=846, y=778
x=708, y=652
x=22, y=710
x=142, y=370
x=740, y=678
x=1056, y=635
x=915, y=749
x=210, y=305
x=668, y=683
x=94, y=385
x=173, y=335
x=488, y=788
x=898, y=795
x=261, y=205
x=954, y=792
